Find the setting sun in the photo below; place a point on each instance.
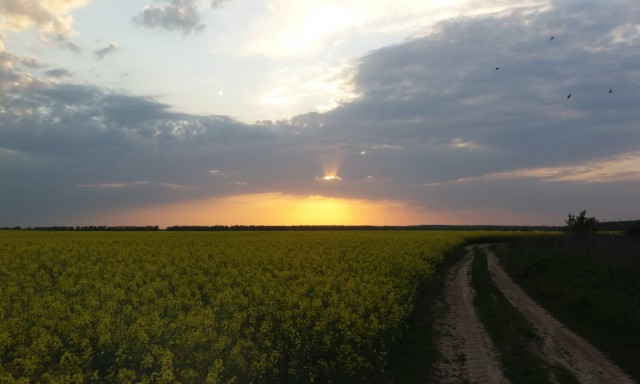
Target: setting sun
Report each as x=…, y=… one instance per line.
x=330, y=178
x=272, y=209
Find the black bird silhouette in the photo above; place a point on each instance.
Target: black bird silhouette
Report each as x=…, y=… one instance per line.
x=551, y=38
x=497, y=68
x=569, y=96
x=610, y=90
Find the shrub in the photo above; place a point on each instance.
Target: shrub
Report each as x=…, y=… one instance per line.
x=582, y=224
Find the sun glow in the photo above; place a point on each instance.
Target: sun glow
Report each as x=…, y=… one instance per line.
x=269, y=209
x=322, y=210
x=330, y=167
x=330, y=178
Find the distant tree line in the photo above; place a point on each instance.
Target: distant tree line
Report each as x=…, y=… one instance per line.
x=582, y=225
x=87, y=228
x=358, y=228
x=290, y=228
x=630, y=227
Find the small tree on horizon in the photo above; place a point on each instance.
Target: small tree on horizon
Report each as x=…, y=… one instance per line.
x=582, y=224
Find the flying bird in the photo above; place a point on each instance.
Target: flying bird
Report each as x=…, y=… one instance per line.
x=551, y=38
x=610, y=90
x=569, y=96
x=497, y=68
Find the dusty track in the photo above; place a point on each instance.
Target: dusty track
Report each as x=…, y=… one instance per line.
x=468, y=355
x=560, y=345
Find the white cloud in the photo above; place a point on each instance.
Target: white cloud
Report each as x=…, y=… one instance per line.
x=308, y=29
x=458, y=142
x=299, y=28
x=625, y=167
x=320, y=43
x=317, y=87
x=178, y=15
x=626, y=34
x=51, y=16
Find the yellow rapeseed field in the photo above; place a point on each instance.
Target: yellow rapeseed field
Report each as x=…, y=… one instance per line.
x=215, y=307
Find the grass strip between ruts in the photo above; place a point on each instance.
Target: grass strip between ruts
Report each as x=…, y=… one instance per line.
x=513, y=336
x=589, y=283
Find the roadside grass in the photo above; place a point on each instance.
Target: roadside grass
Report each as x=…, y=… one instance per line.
x=513, y=336
x=589, y=283
x=416, y=356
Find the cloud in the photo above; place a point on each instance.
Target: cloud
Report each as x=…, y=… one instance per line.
x=108, y=50
x=48, y=17
x=218, y=3
x=433, y=110
x=12, y=74
x=60, y=40
x=180, y=15
x=8, y=60
x=624, y=167
x=137, y=184
x=72, y=47
x=75, y=141
x=58, y=73
x=434, y=127
x=306, y=29
x=318, y=86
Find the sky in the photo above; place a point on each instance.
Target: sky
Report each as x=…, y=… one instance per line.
x=351, y=112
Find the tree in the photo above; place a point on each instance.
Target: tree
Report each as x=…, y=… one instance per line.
x=582, y=224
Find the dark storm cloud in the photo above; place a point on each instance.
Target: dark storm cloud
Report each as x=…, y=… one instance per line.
x=182, y=15
x=434, y=110
x=63, y=146
x=436, y=126
x=108, y=50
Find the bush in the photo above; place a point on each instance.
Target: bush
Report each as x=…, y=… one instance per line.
x=582, y=224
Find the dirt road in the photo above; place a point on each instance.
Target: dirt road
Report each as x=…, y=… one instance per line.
x=468, y=355
x=560, y=344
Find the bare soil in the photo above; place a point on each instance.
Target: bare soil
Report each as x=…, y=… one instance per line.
x=560, y=344
x=467, y=353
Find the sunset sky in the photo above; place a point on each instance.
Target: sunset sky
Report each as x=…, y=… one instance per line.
x=224, y=112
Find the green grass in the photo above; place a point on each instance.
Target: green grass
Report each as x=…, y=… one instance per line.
x=591, y=284
x=513, y=336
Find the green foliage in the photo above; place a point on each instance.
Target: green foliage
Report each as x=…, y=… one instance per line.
x=582, y=224
x=175, y=307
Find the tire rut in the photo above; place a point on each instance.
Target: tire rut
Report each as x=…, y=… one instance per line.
x=560, y=344
x=468, y=355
